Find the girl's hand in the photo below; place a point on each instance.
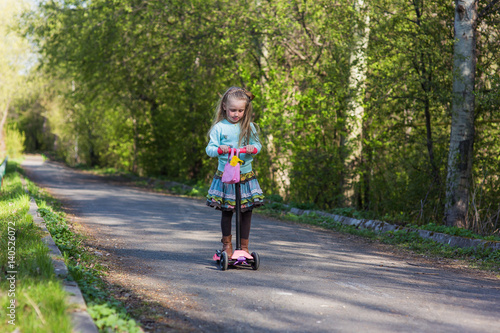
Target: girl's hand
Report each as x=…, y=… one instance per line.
x=250, y=149
x=224, y=148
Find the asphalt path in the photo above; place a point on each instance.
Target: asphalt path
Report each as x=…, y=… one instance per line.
x=309, y=280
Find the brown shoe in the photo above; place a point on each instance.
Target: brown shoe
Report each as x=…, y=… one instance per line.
x=227, y=245
x=244, y=245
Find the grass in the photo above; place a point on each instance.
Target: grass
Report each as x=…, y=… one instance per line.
x=39, y=297
x=454, y=231
x=109, y=314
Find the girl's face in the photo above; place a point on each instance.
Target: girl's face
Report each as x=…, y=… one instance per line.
x=235, y=109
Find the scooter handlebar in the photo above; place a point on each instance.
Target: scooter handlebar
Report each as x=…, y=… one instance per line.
x=242, y=150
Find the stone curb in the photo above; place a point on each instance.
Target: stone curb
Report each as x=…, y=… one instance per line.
x=80, y=318
x=379, y=226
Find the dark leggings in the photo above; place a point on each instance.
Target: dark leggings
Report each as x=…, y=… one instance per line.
x=246, y=220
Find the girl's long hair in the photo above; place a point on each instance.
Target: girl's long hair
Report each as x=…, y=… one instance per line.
x=220, y=114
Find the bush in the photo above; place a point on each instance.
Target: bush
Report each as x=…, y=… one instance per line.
x=14, y=140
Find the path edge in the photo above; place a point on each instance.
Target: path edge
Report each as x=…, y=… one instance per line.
x=382, y=227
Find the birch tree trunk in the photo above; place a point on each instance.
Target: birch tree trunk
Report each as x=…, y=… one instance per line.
x=462, y=118
x=280, y=164
x=279, y=168
x=356, y=110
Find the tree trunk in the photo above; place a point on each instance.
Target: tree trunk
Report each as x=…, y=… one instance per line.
x=3, y=147
x=462, y=118
x=135, y=146
x=353, y=140
x=430, y=142
x=279, y=166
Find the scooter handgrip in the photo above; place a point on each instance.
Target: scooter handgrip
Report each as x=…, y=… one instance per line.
x=242, y=150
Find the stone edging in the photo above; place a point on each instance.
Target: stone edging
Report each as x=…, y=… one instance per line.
x=379, y=226
x=80, y=318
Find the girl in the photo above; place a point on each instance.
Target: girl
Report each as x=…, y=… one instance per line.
x=233, y=128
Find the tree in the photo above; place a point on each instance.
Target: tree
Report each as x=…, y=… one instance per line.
x=407, y=96
x=15, y=56
x=461, y=151
x=355, y=112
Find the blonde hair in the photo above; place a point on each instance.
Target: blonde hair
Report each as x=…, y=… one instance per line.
x=220, y=114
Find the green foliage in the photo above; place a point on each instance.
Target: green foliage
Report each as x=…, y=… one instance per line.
x=406, y=92
x=14, y=140
x=357, y=214
x=107, y=317
x=133, y=87
x=275, y=198
x=303, y=205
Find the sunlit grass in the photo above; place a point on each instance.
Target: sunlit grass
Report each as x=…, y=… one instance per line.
x=40, y=306
x=39, y=296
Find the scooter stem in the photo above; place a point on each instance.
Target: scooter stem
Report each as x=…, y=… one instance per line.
x=238, y=215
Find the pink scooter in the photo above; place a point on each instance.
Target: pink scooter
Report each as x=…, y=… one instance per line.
x=239, y=257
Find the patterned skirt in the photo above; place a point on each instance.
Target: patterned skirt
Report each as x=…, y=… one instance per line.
x=222, y=196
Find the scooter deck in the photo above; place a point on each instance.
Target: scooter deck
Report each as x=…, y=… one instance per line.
x=238, y=259
x=237, y=255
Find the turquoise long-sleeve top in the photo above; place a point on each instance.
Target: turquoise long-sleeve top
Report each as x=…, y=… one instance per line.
x=227, y=133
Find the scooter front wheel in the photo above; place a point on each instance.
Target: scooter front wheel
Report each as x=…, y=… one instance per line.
x=256, y=261
x=224, y=261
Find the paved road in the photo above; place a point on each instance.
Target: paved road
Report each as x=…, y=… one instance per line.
x=309, y=280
